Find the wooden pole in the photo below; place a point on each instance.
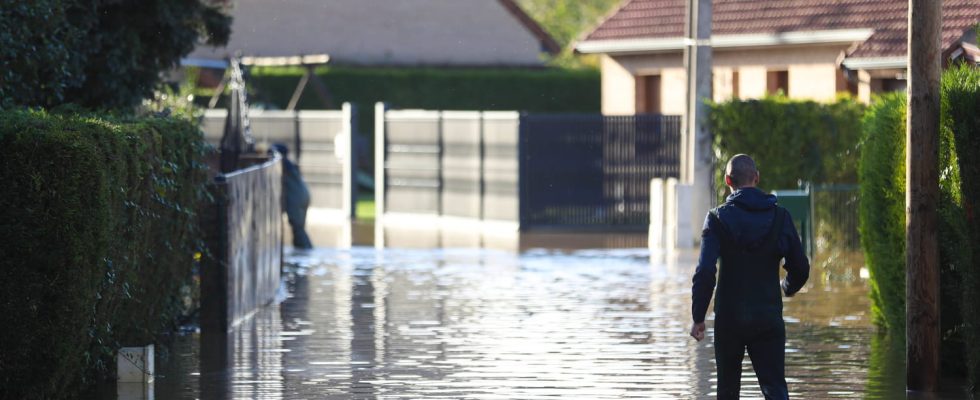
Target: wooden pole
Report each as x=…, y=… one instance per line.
x=922, y=195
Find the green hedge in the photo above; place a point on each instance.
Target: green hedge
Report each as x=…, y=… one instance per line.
x=795, y=141
x=961, y=116
x=882, y=225
x=438, y=88
x=790, y=140
x=882, y=209
x=535, y=90
x=99, y=235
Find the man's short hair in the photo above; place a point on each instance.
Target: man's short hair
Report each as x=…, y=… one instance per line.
x=741, y=169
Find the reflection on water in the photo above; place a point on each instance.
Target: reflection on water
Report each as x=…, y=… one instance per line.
x=591, y=324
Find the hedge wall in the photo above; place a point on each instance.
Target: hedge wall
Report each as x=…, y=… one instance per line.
x=961, y=116
x=790, y=140
x=99, y=234
x=882, y=225
x=796, y=141
x=438, y=88
x=882, y=209
x=536, y=90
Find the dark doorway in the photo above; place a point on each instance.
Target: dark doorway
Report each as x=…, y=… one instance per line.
x=648, y=94
x=777, y=81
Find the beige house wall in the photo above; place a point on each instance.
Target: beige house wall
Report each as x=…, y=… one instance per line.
x=673, y=93
x=618, y=88
x=864, y=86
x=812, y=72
x=813, y=82
x=752, y=81
x=723, y=82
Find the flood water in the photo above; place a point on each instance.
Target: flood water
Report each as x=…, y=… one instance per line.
x=483, y=324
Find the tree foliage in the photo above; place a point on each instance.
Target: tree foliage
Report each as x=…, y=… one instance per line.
x=567, y=20
x=98, y=53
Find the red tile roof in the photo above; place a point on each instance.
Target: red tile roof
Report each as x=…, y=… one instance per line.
x=665, y=18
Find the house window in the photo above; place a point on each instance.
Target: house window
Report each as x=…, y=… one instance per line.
x=777, y=81
x=894, y=85
x=648, y=94
x=846, y=85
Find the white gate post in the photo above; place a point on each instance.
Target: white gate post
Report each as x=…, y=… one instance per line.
x=655, y=237
x=349, y=157
x=379, y=175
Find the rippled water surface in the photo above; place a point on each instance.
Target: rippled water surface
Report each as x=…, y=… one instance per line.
x=482, y=324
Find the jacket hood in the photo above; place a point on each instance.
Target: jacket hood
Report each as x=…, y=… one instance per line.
x=752, y=199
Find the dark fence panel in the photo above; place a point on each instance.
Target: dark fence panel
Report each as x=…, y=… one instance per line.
x=592, y=170
x=245, y=241
x=835, y=217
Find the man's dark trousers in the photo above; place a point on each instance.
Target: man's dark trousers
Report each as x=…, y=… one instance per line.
x=765, y=340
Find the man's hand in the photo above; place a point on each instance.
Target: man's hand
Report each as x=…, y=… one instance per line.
x=697, y=331
x=784, y=284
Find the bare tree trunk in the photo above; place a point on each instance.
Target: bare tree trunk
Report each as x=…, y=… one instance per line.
x=922, y=195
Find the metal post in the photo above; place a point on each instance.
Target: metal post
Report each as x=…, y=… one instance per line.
x=696, y=152
x=298, y=92
x=440, y=166
x=922, y=195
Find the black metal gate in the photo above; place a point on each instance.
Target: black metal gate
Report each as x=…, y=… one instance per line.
x=588, y=170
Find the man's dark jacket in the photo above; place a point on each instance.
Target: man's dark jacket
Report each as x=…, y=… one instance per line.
x=747, y=216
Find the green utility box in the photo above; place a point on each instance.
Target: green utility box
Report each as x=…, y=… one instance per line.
x=799, y=203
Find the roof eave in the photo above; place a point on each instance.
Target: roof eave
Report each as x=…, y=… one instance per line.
x=655, y=45
x=869, y=63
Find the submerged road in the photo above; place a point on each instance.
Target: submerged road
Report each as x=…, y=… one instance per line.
x=481, y=324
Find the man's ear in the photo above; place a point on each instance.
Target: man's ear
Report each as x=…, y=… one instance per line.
x=728, y=180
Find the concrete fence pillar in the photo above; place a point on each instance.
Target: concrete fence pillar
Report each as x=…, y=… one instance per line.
x=663, y=214
x=348, y=157
x=688, y=227
x=655, y=238
x=379, y=174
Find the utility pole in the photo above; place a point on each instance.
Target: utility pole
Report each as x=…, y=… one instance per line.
x=696, y=154
x=922, y=196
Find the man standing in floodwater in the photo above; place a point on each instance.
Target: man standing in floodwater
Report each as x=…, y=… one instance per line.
x=751, y=234
x=296, y=199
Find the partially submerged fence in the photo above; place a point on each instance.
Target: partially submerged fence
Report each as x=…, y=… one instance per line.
x=528, y=171
x=244, y=238
x=319, y=142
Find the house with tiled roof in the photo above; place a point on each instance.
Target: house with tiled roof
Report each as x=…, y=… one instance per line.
x=437, y=33
x=808, y=49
